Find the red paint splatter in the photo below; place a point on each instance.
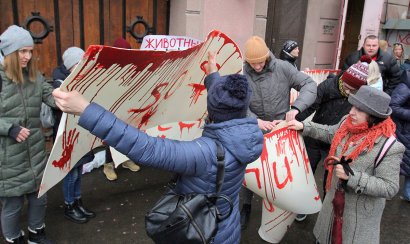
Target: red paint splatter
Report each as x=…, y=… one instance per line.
x=156, y=94
x=288, y=214
x=183, y=125
x=169, y=93
x=317, y=198
x=145, y=118
x=68, y=146
x=289, y=177
x=267, y=176
x=270, y=208
x=197, y=90
x=160, y=128
x=203, y=68
x=277, y=217
x=257, y=175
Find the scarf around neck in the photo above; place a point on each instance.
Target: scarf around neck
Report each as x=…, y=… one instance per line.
x=360, y=136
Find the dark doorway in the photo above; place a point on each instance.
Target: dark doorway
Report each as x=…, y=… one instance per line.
x=286, y=21
x=352, y=29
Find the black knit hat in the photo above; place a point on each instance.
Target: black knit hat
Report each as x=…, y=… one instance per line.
x=228, y=97
x=289, y=45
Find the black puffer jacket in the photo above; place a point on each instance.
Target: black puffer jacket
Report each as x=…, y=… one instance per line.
x=59, y=75
x=388, y=66
x=287, y=57
x=400, y=103
x=330, y=104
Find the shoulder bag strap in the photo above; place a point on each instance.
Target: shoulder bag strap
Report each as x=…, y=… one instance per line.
x=1, y=83
x=220, y=155
x=386, y=146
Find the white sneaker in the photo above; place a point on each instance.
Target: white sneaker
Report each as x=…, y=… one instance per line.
x=300, y=217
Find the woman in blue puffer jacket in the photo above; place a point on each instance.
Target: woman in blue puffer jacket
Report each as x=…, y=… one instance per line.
x=400, y=104
x=196, y=162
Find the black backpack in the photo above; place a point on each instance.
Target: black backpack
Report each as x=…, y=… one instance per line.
x=188, y=218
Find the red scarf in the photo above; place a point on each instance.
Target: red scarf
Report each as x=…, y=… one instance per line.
x=361, y=134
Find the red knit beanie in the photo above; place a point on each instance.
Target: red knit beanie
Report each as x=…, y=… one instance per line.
x=122, y=43
x=356, y=75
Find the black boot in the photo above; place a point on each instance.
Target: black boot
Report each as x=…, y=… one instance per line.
x=245, y=215
x=18, y=240
x=74, y=214
x=38, y=236
x=87, y=213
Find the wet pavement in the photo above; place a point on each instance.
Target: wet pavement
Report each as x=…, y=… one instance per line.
x=121, y=205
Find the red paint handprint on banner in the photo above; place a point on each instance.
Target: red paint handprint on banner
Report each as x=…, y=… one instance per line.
x=68, y=146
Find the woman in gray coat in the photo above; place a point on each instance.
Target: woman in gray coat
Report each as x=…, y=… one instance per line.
x=357, y=191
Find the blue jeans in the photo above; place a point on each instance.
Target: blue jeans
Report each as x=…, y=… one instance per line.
x=72, y=184
x=11, y=213
x=406, y=189
x=72, y=181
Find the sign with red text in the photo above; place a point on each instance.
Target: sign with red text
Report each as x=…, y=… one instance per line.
x=282, y=175
x=166, y=43
x=143, y=88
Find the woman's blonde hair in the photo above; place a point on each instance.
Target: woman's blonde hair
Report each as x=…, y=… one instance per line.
x=373, y=73
x=14, y=71
x=383, y=44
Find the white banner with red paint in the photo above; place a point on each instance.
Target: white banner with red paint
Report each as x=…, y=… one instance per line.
x=282, y=175
x=275, y=222
x=182, y=130
x=166, y=43
x=143, y=88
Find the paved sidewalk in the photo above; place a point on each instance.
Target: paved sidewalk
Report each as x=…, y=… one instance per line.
x=122, y=204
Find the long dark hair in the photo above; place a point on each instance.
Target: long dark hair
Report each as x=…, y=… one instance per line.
x=372, y=120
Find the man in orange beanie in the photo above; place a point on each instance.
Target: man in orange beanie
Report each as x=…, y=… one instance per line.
x=271, y=80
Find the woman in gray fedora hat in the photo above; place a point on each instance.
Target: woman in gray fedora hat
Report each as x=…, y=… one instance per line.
x=358, y=184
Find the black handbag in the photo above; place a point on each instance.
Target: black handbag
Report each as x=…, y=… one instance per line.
x=188, y=218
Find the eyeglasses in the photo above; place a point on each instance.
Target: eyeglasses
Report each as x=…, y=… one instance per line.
x=397, y=44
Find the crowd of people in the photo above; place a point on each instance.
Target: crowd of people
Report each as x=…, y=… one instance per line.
x=356, y=114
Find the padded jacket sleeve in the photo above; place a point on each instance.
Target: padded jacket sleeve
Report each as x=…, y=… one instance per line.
x=399, y=99
x=183, y=157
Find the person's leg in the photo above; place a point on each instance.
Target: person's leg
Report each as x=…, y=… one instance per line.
x=246, y=196
x=78, y=203
x=406, y=189
x=70, y=211
x=109, y=170
x=36, y=218
x=10, y=217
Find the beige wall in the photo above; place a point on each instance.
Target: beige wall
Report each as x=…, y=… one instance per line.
x=239, y=19
x=395, y=9
x=321, y=33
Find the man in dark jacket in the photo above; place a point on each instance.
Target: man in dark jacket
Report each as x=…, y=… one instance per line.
x=389, y=68
x=400, y=104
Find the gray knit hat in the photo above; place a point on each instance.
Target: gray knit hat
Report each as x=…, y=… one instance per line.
x=72, y=56
x=14, y=38
x=372, y=101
